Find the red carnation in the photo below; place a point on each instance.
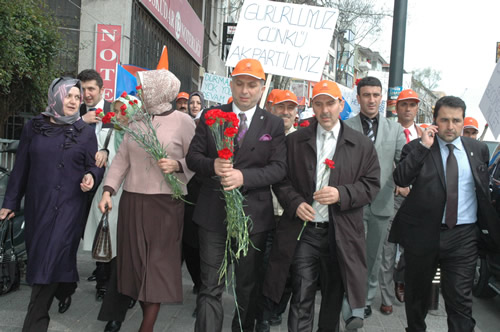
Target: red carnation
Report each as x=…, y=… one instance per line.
x=123, y=107
x=135, y=101
x=106, y=119
x=230, y=132
x=112, y=114
x=124, y=94
x=225, y=153
x=210, y=122
x=131, y=102
x=304, y=123
x=98, y=111
x=329, y=163
x=139, y=87
x=124, y=113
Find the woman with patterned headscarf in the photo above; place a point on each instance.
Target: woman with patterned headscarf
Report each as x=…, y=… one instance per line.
x=150, y=221
x=54, y=168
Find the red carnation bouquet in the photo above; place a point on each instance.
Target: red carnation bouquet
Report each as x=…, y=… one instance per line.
x=143, y=133
x=224, y=128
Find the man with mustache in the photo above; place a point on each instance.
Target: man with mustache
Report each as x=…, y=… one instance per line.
x=388, y=138
x=181, y=102
x=333, y=171
x=446, y=217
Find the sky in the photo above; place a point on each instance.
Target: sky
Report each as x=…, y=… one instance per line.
x=456, y=37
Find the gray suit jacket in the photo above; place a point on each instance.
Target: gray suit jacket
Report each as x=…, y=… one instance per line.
x=388, y=143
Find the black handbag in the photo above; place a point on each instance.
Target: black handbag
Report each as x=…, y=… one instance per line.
x=9, y=274
x=101, y=248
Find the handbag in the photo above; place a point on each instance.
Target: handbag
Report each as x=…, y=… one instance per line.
x=9, y=274
x=101, y=248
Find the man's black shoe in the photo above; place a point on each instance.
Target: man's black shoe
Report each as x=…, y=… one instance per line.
x=275, y=320
x=262, y=326
x=368, y=311
x=132, y=303
x=64, y=305
x=113, y=326
x=92, y=276
x=99, y=294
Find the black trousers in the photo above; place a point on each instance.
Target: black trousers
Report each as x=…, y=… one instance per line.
x=102, y=274
x=315, y=260
x=114, y=305
x=248, y=280
x=457, y=257
x=37, y=318
x=267, y=309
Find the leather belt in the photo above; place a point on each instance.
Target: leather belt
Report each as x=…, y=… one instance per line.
x=319, y=224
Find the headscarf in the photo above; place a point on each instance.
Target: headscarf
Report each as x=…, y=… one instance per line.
x=159, y=89
x=58, y=90
x=130, y=111
x=202, y=100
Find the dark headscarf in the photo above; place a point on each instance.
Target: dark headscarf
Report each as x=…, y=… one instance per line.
x=202, y=100
x=58, y=90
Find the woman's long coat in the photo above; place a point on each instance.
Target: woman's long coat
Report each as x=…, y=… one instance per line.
x=356, y=176
x=51, y=162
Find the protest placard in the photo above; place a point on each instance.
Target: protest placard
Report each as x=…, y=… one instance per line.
x=216, y=88
x=288, y=39
x=490, y=102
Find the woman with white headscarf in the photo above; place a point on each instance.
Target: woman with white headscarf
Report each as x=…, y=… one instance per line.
x=54, y=168
x=150, y=221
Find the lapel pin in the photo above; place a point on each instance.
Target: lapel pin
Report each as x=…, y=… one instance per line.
x=472, y=154
x=262, y=117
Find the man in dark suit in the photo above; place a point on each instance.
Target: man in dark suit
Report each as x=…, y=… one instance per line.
x=92, y=86
x=325, y=206
x=260, y=161
x=446, y=215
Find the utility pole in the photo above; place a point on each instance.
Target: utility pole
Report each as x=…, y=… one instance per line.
x=397, y=56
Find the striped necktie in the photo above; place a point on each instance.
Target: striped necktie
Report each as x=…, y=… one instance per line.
x=369, y=132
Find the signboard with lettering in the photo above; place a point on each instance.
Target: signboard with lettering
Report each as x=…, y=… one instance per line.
x=107, y=55
x=288, y=39
x=181, y=21
x=490, y=102
x=216, y=88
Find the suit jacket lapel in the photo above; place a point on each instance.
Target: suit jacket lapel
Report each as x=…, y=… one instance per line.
x=251, y=137
x=438, y=161
x=382, y=128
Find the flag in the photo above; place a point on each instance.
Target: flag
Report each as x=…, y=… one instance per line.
x=163, y=63
x=125, y=81
x=346, y=112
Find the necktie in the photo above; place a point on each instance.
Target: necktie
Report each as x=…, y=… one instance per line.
x=321, y=178
x=407, y=134
x=243, y=128
x=369, y=132
x=451, y=188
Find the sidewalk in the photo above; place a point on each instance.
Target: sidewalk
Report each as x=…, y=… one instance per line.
x=82, y=315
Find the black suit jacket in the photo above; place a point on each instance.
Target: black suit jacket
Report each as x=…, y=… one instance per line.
x=262, y=162
x=106, y=109
x=417, y=224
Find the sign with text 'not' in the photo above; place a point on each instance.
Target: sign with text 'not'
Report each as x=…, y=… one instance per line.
x=288, y=39
x=107, y=55
x=216, y=88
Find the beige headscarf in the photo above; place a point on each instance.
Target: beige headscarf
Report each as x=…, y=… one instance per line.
x=159, y=89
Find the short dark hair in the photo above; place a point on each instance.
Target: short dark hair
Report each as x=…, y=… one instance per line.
x=89, y=75
x=450, y=101
x=368, y=81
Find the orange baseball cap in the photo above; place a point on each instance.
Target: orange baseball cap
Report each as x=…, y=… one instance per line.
x=272, y=95
x=285, y=95
x=408, y=94
x=182, y=95
x=230, y=100
x=249, y=67
x=470, y=122
x=327, y=88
